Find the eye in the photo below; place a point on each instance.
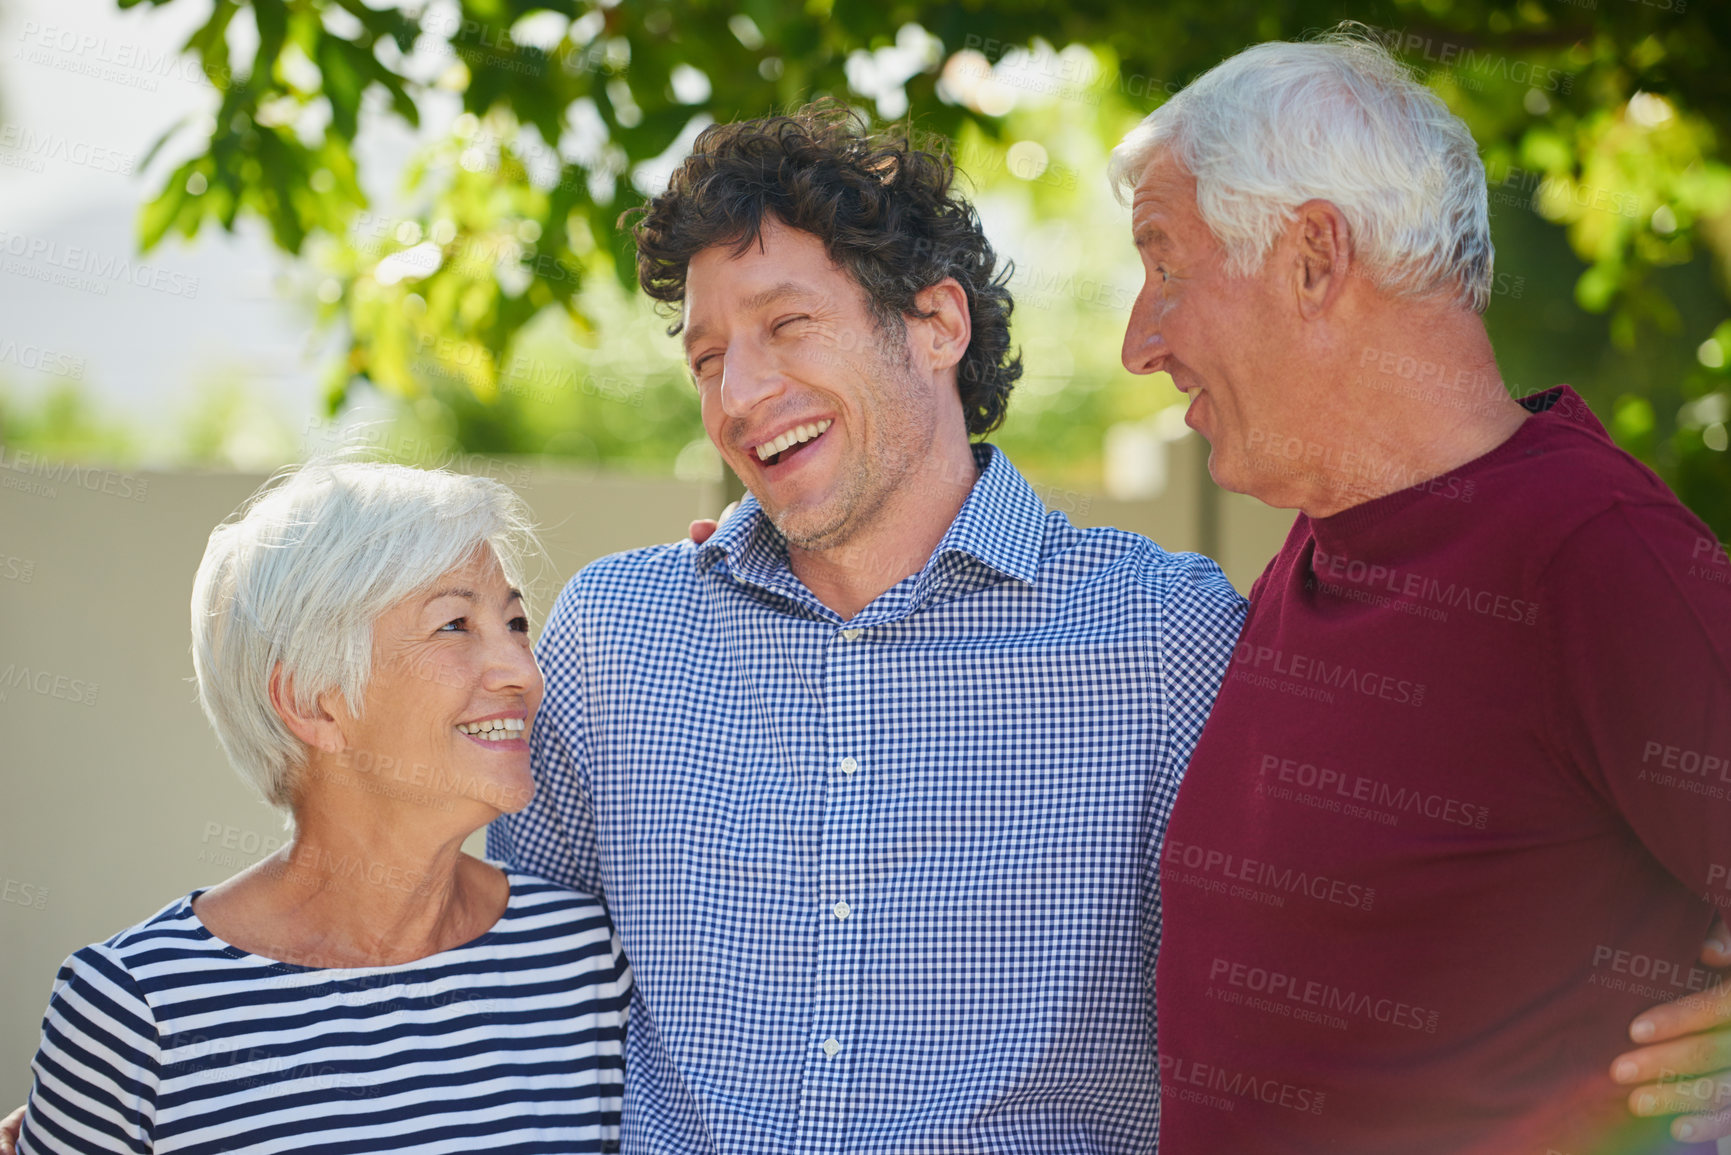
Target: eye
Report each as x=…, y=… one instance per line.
x=702, y=366
x=520, y=624
x=461, y=624
x=786, y=321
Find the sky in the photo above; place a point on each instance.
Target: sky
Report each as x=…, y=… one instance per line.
x=85, y=89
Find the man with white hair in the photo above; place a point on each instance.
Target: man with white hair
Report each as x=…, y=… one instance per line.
x=1463, y=806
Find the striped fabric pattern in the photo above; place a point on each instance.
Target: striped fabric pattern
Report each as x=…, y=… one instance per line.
x=166, y=1039
x=887, y=884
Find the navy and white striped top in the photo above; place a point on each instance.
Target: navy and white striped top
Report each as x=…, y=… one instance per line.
x=165, y=1038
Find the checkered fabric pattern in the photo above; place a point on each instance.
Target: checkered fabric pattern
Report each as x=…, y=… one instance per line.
x=888, y=884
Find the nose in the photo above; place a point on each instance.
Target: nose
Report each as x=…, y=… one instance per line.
x=749, y=376
x=1145, y=350
x=511, y=667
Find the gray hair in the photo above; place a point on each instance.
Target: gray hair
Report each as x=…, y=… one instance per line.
x=1336, y=119
x=299, y=575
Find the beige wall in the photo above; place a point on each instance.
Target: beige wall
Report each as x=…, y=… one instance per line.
x=116, y=796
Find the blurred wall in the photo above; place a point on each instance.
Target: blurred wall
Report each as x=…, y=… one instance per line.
x=117, y=798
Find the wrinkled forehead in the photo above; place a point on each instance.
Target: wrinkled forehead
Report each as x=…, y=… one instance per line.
x=1163, y=203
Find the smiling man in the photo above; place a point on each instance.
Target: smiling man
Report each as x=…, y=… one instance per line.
x=873, y=780
x=1463, y=807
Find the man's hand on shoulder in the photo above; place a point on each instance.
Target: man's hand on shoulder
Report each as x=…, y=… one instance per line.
x=1684, y=1064
x=701, y=531
x=10, y=1126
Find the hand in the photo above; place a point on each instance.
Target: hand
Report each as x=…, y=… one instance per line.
x=1685, y=1064
x=9, y=1128
x=701, y=530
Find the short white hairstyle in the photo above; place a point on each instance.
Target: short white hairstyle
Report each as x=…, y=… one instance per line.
x=299, y=574
x=1336, y=119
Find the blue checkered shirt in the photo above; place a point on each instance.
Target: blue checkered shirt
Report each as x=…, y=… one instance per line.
x=887, y=884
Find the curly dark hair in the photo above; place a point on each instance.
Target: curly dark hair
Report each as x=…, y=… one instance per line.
x=884, y=209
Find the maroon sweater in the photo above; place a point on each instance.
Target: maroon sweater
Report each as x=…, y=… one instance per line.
x=1462, y=809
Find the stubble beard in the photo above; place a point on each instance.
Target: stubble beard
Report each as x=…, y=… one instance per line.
x=864, y=494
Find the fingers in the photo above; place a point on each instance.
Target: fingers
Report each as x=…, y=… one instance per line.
x=1717, y=951
x=701, y=530
x=9, y=1128
x=1702, y=1011
x=1704, y=1105
x=1695, y=1055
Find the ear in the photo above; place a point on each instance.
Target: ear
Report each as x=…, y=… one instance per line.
x=317, y=726
x=1324, y=258
x=942, y=338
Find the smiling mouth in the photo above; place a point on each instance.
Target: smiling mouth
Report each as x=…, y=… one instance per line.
x=791, y=443
x=495, y=730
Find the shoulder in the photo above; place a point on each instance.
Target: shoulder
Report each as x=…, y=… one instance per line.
x=1143, y=567
x=623, y=586
x=109, y=982
x=563, y=926
x=1566, y=474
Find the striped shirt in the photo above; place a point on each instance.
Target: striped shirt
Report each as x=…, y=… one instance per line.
x=887, y=884
x=165, y=1038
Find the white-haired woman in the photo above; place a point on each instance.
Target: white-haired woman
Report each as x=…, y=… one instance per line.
x=362, y=650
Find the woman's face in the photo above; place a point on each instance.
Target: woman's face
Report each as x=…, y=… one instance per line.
x=453, y=692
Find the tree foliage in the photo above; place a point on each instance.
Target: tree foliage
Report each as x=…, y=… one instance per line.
x=1603, y=118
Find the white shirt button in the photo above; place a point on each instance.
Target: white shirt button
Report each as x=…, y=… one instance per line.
x=851, y=633
x=842, y=909
x=849, y=764
x=830, y=1047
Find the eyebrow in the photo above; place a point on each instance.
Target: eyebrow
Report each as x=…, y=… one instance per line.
x=513, y=594
x=1151, y=236
x=769, y=296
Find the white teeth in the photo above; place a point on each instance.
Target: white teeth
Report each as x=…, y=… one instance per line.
x=791, y=438
x=494, y=729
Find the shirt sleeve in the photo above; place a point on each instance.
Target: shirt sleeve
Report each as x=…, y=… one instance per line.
x=554, y=836
x=1639, y=604
x=96, y=1071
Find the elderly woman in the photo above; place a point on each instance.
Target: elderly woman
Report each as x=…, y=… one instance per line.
x=363, y=653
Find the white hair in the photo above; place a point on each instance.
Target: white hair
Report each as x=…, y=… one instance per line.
x=299, y=575
x=1336, y=119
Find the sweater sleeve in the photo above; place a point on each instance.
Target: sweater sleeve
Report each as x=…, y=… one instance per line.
x=1639, y=602
x=96, y=1071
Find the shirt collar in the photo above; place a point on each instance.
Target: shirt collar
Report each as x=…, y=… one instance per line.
x=1001, y=525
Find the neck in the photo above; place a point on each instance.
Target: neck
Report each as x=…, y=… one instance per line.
x=899, y=537
x=1422, y=401
x=374, y=885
